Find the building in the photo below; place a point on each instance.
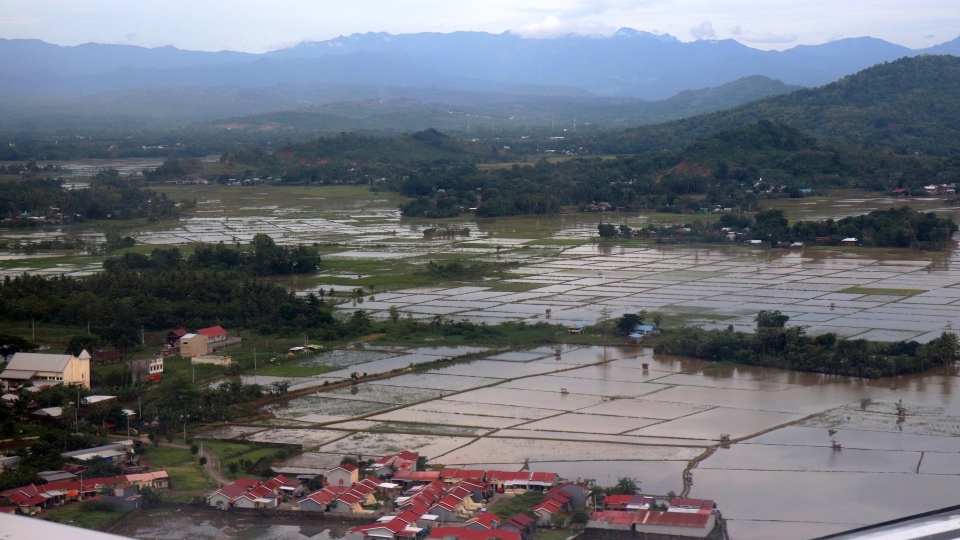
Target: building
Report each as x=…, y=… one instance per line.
x=194, y=345
x=106, y=356
x=224, y=497
x=692, y=506
x=460, y=533
x=124, y=496
x=116, y=452
x=215, y=335
x=173, y=338
x=579, y=493
x=388, y=466
x=218, y=338
x=146, y=369
x=8, y=463
x=353, y=500
x=345, y=475
x=674, y=523
x=33, y=369
x=849, y=242
x=520, y=524
x=485, y=521
x=403, y=526
x=211, y=360
x=320, y=500
x=407, y=477
x=617, y=520
x=554, y=503
x=152, y=480
x=646, y=330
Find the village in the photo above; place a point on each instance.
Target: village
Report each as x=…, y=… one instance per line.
x=398, y=496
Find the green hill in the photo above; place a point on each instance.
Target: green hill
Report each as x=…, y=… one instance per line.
x=911, y=106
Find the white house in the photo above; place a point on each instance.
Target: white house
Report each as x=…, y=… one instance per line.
x=345, y=475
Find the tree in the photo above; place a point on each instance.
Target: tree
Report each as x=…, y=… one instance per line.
x=626, y=486
x=607, y=230
x=203, y=460
x=771, y=319
x=194, y=449
x=233, y=467
x=627, y=322
x=579, y=516
x=394, y=314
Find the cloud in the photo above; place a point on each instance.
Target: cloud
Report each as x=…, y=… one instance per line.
x=17, y=21
x=703, y=31
x=931, y=36
x=766, y=37
x=552, y=27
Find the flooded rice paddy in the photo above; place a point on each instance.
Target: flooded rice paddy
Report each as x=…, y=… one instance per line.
x=597, y=414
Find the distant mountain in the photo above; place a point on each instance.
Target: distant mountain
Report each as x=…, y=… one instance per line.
x=314, y=109
x=628, y=64
x=911, y=105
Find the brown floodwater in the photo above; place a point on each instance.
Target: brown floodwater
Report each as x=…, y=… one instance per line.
x=177, y=525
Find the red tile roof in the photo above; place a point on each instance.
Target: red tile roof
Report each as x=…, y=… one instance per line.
x=416, y=476
x=553, y=502
x=489, y=520
x=346, y=466
x=521, y=521
x=213, y=331
x=461, y=533
x=617, y=499
x=671, y=519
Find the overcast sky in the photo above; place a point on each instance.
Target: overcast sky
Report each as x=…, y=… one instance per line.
x=262, y=25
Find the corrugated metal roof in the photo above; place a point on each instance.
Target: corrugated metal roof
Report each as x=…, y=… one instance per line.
x=671, y=519
x=39, y=362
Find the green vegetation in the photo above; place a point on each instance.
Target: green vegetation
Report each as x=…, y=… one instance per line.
x=457, y=270
x=108, y=197
x=521, y=504
x=909, y=106
x=88, y=514
x=186, y=474
x=884, y=292
x=792, y=349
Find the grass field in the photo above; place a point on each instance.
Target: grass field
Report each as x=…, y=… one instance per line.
x=183, y=468
x=79, y=515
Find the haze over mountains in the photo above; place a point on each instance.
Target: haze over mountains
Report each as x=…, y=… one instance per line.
x=630, y=64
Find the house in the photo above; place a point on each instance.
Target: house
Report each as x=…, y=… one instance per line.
x=152, y=480
x=224, y=497
x=460, y=533
x=617, y=520
x=146, y=369
x=674, y=523
x=578, y=492
x=554, y=503
x=520, y=524
x=902, y=192
x=484, y=521
x=345, y=475
x=849, y=242
x=646, y=329
x=26, y=369
x=354, y=499
x=403, y=526
x=522, y=480
x=454, y=476
x=258, y=497
x=194, y=345
x=106, y=356
x=214, y=334
x=320, y=500
x=218, y=338
x=173, y=338
x=388, y=466
x=576, y=328
x=31, y=499
x=635, y=339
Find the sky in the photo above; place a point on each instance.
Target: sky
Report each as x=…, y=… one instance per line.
x=261, y=25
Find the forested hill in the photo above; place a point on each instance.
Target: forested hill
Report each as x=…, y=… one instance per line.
x=911, y=105
x=423, y=148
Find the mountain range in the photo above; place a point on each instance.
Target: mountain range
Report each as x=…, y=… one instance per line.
x=628, y=64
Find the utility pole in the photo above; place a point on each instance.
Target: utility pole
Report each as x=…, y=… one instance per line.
x=76, y=413
x=33, y=328
x=88, y=327
x=139, y=410
x=193, y=370
x=143, y=339
x=255, y=378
